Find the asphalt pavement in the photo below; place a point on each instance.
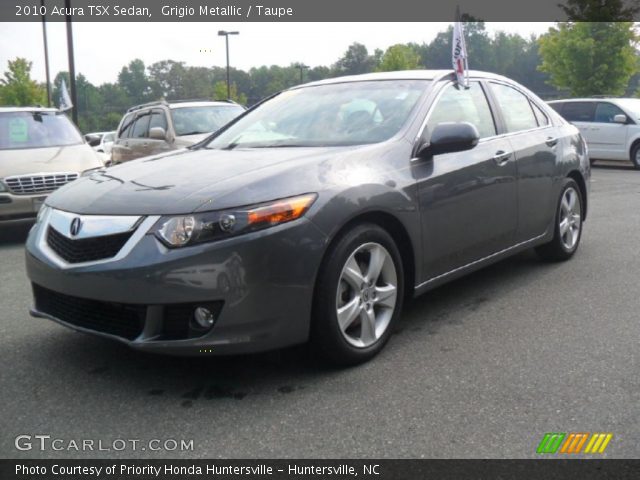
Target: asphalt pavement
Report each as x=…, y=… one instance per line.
x=480, y=368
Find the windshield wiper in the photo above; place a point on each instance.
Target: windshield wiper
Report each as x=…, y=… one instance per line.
x=196, y=132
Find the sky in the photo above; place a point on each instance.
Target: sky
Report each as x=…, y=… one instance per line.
x=102, y=49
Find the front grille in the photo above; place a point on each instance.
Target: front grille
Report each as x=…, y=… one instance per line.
x=39, y=183
x=86, y=249
x=119, y=319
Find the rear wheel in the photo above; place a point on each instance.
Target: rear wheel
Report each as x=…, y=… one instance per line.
x=635, y=156
x=568, y=224
x=358, y=296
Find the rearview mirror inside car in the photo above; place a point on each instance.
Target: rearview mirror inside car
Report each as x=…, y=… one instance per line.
x=157, y=133
x=449, y=137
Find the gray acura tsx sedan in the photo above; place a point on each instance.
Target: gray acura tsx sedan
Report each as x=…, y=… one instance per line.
x=312, y=217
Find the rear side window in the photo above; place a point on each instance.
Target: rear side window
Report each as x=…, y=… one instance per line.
x=516, y=108
x=579, y=111
x=464, y=105
x=557, y=107
x=606, y=112
x=542, y=118
x=141, y=126
x=125, y=129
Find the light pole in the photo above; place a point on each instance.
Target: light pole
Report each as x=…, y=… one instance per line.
x=302, y=68
x=225, y=34
x=46, y=54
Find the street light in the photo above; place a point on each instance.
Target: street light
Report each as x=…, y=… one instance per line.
x=302, y=68
x=225, y=34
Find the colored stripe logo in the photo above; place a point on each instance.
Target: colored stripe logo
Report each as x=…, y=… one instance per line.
x=571, y=443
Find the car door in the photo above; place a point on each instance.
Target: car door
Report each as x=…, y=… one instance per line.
x=582, y=114
x=138, y=141
x=534, y=141
x=120, y=151
x=467, y=199
x=607, y=137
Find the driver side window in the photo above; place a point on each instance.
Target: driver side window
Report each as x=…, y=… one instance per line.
x=464, y=105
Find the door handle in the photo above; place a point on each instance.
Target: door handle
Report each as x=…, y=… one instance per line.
x=551, y=141
x=501, y=157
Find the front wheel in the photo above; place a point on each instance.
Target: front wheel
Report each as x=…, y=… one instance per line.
x=358, y=296
x=568, y=224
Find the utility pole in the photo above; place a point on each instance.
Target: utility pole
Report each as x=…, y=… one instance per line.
x=225, y=34
x=72, y=65
x=302, y=68
x=46, y=54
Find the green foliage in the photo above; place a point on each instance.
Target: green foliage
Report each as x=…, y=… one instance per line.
x=590, y=58
x=356, y=60
x=220, y=92
x=17, y=88
x=399, y=57
x=599, y=10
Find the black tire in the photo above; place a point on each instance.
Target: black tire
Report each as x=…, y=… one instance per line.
x=557, y=250
x=327, y=338
x=634, y=156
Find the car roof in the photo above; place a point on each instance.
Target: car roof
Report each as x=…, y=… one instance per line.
x=202, y=104
x=590, y=99
x=405, y=75
x=27, y=109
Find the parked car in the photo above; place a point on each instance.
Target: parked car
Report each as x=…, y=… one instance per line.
x=159, y=127
x=335, y=199
x=101, y=142
x=611, y=126
x=40, y=151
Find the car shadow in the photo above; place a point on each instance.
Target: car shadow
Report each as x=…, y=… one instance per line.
x=187, y=380
x=15, y=232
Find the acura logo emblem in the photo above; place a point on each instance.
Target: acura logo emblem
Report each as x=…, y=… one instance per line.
x=76, y=225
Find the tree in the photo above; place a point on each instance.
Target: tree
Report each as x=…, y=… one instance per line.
x=599, y=10
x=134, y=81
x=356, y=60
x=590, y=58
x=399, y=57
x=220, y=93
x=17, y=88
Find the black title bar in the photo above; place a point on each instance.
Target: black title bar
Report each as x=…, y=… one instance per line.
x=282, y=10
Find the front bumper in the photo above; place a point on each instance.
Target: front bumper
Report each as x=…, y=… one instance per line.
x=17, y=207
x=262, y=281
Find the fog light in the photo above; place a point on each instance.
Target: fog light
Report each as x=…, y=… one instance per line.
x=204, y=317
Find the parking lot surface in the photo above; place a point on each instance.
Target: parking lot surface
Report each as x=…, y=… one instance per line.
x=481, y=367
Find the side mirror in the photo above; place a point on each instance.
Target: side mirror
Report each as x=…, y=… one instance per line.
x=157, y=133
x=450, y=137
x=93, y=140
x=620, y=118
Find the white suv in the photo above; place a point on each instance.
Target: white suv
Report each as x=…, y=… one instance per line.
x=611, y=126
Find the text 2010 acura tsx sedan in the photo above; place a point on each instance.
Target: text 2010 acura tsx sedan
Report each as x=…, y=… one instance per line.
x=312, y=216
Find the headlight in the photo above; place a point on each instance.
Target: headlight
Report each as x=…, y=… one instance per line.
x=42, y=213
x=178, y=231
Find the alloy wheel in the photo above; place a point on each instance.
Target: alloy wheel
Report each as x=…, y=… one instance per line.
x=367, y=295
x=570, y=218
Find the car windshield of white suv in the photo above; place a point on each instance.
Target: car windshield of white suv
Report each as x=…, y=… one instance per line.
x=206, y=119
x=352, y=113
x=632, y=105
x=36, y=130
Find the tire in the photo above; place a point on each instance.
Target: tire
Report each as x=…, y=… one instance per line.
x=635, y=156
x=567, y=224
x=350, y=294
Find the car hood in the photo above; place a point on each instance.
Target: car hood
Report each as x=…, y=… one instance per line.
x=188, y=181
x=72, y=158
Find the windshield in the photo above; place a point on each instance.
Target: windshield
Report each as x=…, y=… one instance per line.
x=36, y=130
x=208, y=119
x=353, y=113
x=632, y=105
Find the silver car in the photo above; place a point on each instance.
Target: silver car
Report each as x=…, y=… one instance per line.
x=40, y=151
